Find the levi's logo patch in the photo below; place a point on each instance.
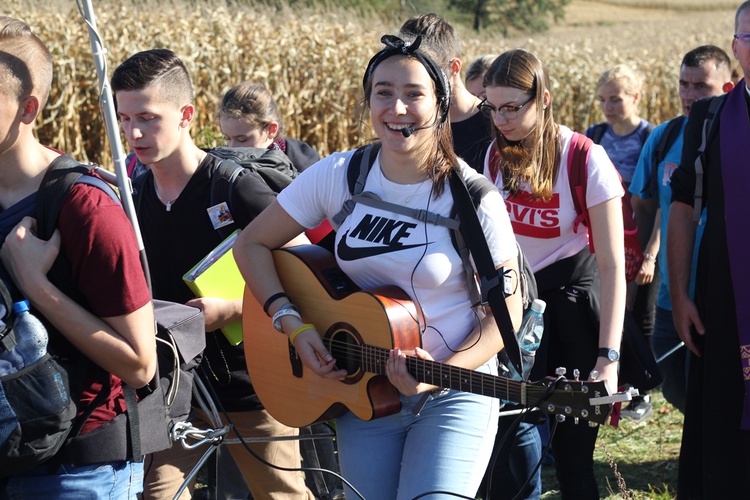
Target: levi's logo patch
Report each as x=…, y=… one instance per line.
x=534, y=218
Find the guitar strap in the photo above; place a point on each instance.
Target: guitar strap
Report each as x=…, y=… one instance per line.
x=491, y=279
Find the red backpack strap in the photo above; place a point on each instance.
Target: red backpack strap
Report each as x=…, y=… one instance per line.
x=494, y=161
x=131, y=165
x=578, y=157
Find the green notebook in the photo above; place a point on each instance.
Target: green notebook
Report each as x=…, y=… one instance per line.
x=217, y=275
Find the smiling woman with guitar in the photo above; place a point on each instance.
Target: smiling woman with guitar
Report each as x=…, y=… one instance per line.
x=427, y=441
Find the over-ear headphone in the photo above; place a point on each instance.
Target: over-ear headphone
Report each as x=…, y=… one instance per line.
x=395, y=45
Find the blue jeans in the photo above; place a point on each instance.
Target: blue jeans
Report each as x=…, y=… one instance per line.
x=514, y=461
x=673, y=368
x=108, y=481
x=401, y=456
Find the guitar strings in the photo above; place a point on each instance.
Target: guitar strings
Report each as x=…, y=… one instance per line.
x=373, y=359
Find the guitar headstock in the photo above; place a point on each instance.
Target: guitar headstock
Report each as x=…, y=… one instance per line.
x=567, y=399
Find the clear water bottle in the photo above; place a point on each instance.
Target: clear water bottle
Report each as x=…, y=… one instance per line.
x=11, y=360
x=31, y=336
x=530, y=336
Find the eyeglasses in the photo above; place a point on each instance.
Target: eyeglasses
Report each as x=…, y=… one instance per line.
x=742, y=37
x=508, y=112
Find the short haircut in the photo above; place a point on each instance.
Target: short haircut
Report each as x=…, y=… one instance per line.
x=627, y=77
x=156, y=67
x=699, y=56
x=438, y=36
x=740, y=10
x=25, y=62
x=251, y=101
x=479, y=67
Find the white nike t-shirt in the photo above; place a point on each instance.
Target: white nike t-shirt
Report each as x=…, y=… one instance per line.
x=376, y=247
x=544, y=229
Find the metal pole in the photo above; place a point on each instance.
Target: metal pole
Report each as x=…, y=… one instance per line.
x=110, y=116
x=670, y=352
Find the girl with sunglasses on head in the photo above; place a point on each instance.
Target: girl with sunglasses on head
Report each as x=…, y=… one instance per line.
x=528, y=162
x=439, y=440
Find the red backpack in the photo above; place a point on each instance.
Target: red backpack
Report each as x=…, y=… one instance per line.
x=578, y=155
x=580, y=147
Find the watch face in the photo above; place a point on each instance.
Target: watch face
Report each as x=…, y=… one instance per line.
x=613, y=355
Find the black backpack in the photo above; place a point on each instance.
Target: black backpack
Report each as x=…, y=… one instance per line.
x=466, y=235
x=43, y=431
x=671, y=132
x=272, y=165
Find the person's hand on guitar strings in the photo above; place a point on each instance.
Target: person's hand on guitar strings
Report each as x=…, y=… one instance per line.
x=311, y=350
x=398, y=374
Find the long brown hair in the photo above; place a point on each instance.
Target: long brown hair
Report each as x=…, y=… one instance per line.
x=520, y=69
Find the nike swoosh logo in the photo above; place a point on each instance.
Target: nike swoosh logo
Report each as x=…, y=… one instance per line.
x=345, y=252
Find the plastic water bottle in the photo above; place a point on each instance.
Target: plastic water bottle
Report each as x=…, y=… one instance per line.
x=11, y=360
x=530, y=335
x=31, y=336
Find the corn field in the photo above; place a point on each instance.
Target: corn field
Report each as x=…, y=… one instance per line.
x=312, y=61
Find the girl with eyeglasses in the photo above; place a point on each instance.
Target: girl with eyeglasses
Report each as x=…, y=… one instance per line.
x=585, y=292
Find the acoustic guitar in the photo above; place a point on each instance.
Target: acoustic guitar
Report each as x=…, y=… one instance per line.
x=360, y=327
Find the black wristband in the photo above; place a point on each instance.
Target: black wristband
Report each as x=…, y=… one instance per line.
x=271, y=299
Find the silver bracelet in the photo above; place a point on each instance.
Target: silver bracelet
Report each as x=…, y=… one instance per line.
x=287, y=309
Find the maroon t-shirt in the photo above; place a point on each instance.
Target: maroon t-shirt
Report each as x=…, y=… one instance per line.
x=98, y=240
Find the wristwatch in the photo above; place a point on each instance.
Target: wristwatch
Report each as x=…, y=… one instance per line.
x=610, y=354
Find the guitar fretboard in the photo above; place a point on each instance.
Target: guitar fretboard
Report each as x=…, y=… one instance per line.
x=373, y=359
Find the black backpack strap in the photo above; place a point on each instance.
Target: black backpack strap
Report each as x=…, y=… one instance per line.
x=57, y=182
x=671, y=133
x=598, y=132
x=359, y=166
x=63, y=173
x=707, y=134
x=491, y=279
x=222, y=187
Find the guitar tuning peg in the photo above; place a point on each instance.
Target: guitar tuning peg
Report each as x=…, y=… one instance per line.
x=561, y=371
x=576, y=374
x=560, y=418
x=594, y=374
x=593, y=424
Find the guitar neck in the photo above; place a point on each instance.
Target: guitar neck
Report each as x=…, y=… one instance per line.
x=451, y=377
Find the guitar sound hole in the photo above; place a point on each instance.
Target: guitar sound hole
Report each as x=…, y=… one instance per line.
x=347, y=350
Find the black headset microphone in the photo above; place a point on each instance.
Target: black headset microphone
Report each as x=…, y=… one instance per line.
x=408, y=131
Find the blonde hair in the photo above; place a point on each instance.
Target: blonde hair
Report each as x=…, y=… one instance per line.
x=630, y=81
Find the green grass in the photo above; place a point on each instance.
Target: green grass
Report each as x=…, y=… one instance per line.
x=644, y=454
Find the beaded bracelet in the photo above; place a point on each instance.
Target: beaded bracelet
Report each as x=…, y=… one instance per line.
x=287, y=309
x=300, y=329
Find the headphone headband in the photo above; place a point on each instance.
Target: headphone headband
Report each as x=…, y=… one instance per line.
x=396, y=46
